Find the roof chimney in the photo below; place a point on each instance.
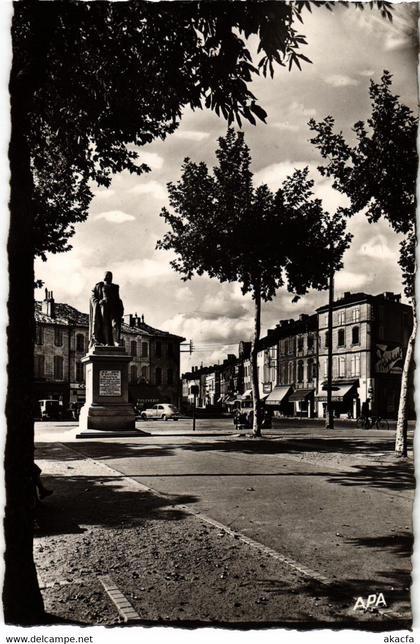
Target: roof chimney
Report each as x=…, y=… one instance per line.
x=48, y=304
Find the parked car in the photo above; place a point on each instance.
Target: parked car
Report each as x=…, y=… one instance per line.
x=51, y=409
x=162, y=411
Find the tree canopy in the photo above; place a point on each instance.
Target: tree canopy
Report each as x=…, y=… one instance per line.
x=96, y=77
x=379, y=172
x=223, y=226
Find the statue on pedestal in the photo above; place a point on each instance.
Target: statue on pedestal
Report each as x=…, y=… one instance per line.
x=105, y=313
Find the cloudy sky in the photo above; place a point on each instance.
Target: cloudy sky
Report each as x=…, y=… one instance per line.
x=347, y=47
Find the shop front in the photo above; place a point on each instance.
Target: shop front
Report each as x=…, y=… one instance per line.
x=278, y=401
x=345, y=399
x=304, y=402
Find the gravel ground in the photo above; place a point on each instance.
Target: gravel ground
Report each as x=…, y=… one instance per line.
x=171, y=566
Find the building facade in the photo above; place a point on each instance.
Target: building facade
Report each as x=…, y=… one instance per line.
x=298, y=364
x=62, y=339
x=370, y=337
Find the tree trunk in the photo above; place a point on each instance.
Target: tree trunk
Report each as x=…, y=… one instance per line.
x=256, y=422
x=329, y=415
x=22, y=600
x=401, y=430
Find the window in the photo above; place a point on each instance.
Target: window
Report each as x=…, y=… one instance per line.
x=133, y=347
x=300, y=343
x=355, y=335
x=310, y=369
x=39, y=338
x=158, y=349
x=58, y=368
x=283, y=375
x=325, y=368
x=133, y=374
x=79, y=371
x=341, y=338
x=158, y=376
x=342, y=366
x=39, y=362
x=80, y=342
x=144, y=350
x=290, y=373
x=170, y=377
x=355, y=364
x=58, y=336
x=300, y=371
x=286, y=346
x=341, y=317
x=326, y=338
x=310, y=341
x=335, y=367
x=356, y=315
x=144, y=374
x=381, y=332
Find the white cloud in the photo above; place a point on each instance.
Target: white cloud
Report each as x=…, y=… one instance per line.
x=115, y=216
x=340, y=80
x=348, y=280
x=192, y=135
x=377, y=248
x=286, y=125
x=152, y=159
x=207, y=332
x=367, y=72
x=297, y=107
x=145, y=270
x=152, y=188
x=274, y=175
x=103, y=193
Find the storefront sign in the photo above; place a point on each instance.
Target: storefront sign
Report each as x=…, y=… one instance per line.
x=110, y=382
x=389, y=358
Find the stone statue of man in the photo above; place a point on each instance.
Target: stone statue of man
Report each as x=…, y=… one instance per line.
x=105, y=313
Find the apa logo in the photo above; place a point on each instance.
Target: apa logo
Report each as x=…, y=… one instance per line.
x=372, y=601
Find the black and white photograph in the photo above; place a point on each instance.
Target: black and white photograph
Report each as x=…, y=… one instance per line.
x=210, y=214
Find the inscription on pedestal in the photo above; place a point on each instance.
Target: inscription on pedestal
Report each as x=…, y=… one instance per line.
x=110, y=382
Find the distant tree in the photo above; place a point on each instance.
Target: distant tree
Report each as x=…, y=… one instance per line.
x=379, y=175
x=221, y=225
x=87, y=80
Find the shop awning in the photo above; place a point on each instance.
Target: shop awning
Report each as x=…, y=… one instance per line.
x=247, y=395
x=339, y=393
x=278, y=395
x=301, y=394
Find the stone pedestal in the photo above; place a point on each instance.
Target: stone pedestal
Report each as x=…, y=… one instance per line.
x=107, y=407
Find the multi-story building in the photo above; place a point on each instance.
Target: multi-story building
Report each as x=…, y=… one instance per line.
x=297, y=366
x=370, y=336
x=62, y=340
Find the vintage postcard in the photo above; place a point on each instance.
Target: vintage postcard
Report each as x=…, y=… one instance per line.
x=211, y=319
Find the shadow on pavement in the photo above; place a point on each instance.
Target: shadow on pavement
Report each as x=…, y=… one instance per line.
x=393, y=583
x=87, y=501
x=390, y=476
x=399, y=543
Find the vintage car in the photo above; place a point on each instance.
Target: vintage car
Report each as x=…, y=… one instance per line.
x=162, y=411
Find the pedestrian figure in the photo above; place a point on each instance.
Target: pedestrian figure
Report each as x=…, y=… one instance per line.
x=365, y=412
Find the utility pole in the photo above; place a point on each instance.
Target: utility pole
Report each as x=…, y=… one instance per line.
x=194, y=391
x=329, y=416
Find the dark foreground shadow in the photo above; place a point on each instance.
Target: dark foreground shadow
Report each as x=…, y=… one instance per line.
x=86, y=501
